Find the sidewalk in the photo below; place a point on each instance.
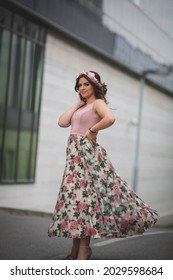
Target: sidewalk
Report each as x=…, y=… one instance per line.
x=25, y=238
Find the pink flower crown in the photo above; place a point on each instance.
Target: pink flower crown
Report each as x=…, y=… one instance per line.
x=90, y=75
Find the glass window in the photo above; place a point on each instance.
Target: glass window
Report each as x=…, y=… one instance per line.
x=4, y=59
x=23, y=172
x=9, y=155
x=16, y=71
x=21, y=69
x=28, y=75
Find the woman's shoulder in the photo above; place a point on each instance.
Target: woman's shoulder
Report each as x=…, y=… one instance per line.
x=99, y=103
x=100, y=106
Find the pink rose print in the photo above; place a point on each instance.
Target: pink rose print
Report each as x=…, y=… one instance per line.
x=100, y=158
x=64, y=189
x=116, y=197
x=76, y=209
x=74, y=196
x=77, y=159
x=131, y=220
x=82, y=206
x=66, y=218
x=133, y=196
x=88, y=192
x=124, y=224
x=79, y=220
x=116, y=190
x=87, y=231
x=97, y=207
x=130, y=232
x=82, y=184
x=144, y=212
x=50, y=233
x=74, y=174
x=93, y=231
x=100, y=219
x=68, y=151
x=60, y=204
x=69, y=179
x=64, y=225
x=94, y=199
x=73, y=225
x=141, y=229
x=106, y=219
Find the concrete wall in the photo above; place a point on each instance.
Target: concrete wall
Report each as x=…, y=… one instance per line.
x=132, y=22
x=62, y=61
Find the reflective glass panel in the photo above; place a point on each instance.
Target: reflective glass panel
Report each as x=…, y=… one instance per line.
x=21, y=69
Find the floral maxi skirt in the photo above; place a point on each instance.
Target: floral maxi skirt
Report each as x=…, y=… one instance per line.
x=94, y=200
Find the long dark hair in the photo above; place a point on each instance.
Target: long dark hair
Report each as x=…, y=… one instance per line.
x=100, y=88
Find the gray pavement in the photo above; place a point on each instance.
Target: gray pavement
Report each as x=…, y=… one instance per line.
x=25, y=237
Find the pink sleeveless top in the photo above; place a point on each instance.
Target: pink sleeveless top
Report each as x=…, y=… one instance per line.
x=83, y=119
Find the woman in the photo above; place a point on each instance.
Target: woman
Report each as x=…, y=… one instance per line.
x=94, y=201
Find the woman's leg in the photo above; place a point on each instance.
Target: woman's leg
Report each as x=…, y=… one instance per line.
x=85, y=251
x=74, y=250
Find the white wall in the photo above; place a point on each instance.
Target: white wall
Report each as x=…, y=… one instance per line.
x=147, y=26
x=157, y=149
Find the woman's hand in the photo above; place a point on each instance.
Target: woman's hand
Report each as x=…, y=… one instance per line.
x=92, y=137
x=65, y=119
x=80, y=102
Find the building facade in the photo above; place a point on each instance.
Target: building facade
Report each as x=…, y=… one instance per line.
x=42, y=48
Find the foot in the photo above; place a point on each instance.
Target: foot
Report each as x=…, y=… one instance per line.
x=85, y=253
x=70, y=257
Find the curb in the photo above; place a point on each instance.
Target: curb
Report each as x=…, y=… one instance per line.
x=165, y=220
x=23, y=212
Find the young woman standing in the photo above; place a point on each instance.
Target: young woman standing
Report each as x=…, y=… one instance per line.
x=94, y=201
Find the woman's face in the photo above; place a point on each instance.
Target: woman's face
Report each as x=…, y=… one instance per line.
x=85, y=88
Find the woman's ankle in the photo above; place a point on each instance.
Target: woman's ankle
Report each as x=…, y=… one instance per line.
x=84, y=252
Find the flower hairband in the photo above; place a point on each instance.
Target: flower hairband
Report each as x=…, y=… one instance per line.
x=90, y=75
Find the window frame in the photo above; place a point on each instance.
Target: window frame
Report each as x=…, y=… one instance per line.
x=35, y=34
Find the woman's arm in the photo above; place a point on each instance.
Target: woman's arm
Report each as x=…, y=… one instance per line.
x=106, y=115
x=65, y=119
x=107, y=119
